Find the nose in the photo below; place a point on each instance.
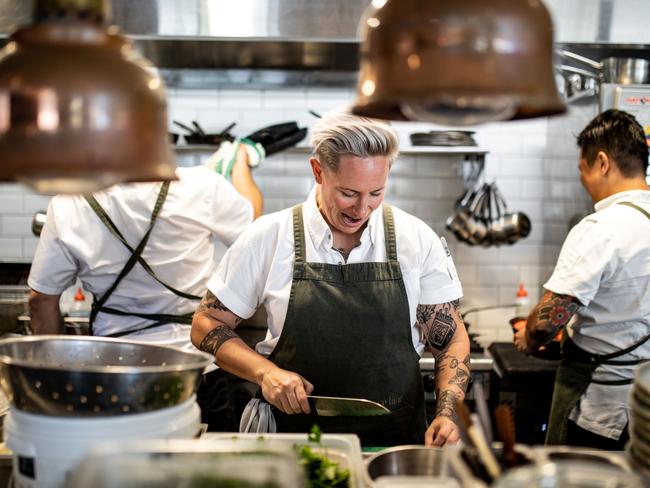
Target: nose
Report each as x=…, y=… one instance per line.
x=362, y=204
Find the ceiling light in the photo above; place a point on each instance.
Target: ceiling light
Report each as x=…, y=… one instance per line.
x=79, y=108
x=459, y=62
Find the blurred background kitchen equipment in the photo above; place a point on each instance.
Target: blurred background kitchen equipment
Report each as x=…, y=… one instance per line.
x=91, y=376
x=14, y=296
x=196, y=135
x=568, y=474
x=443, y=138
x=638, y=449
x=82, y=109
x=482, y=218
x=406, y=73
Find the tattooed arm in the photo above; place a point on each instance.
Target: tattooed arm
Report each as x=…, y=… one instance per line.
x=443, y=331
x=213, y=331
x=546, y=319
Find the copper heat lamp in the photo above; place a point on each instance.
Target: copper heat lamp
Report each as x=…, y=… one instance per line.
x=80, y=110
x=459, y=62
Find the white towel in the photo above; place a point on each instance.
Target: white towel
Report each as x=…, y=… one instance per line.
x=257, y=417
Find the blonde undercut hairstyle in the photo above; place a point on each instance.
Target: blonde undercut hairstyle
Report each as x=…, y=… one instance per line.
x=340, y=134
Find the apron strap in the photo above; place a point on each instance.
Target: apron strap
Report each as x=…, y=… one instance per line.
x=389, y=234
x=298, y=235
x=636, y=207
x=136, y=256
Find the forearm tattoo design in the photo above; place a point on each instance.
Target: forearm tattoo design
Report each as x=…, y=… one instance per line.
x=445, y=404
x=436, y=323
x=551, y=314
x=210, y=301
x=214, y=339
x=446, y=397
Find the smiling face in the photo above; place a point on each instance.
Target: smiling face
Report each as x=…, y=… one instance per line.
x=350, y=194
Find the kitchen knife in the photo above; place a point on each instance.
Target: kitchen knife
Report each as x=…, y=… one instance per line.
x=354, y=407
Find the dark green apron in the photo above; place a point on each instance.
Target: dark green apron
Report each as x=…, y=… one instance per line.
x=574, y=375
x=348, y=332
x=136, y=256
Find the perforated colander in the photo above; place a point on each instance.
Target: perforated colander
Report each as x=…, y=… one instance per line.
x=94, y=376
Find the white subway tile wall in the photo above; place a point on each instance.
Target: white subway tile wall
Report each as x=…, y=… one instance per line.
x=534, y=163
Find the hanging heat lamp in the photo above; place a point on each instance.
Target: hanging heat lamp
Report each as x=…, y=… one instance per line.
x=459, y=62
x=80, y=110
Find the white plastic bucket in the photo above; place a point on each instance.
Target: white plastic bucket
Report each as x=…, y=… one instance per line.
x=47, y=448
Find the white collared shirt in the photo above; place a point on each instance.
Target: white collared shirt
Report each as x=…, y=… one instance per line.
x=605, y=264
x=258, y=269
x=201, y=209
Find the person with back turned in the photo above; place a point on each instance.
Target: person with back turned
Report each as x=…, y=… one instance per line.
x=600, y=290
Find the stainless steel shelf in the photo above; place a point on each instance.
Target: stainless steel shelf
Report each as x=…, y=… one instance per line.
x=468, y=150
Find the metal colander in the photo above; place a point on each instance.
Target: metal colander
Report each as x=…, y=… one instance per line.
x=94, y=376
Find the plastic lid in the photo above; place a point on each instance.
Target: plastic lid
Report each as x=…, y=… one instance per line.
x=79, y=296
x=521, y=291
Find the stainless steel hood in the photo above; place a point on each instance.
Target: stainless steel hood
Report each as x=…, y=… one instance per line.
x=251, y=43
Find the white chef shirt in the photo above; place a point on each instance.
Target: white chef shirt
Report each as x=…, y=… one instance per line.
x=258, y=268
x=201, y=207
x=605, y=264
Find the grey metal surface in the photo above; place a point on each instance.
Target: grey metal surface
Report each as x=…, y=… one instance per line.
x=333, y=406
x=91, y=376
x=408, y=461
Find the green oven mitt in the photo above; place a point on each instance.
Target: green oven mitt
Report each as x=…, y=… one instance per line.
x=223, y=159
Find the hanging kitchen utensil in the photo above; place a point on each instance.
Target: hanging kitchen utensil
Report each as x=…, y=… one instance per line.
x=355, y=407
x=95, y=376
x=81, y=110
x=196, y=135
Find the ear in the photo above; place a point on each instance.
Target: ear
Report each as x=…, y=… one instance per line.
x=317, y=169
x=604, y=163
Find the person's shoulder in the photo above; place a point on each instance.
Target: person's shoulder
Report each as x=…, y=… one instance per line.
x=198, y=175
x=407, y=222
x=270, y=224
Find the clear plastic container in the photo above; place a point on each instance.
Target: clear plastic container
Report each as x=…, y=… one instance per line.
x=189, y=464
x=344, y=449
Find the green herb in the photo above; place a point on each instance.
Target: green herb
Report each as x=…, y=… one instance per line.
x=321, y=472
x=315, y=434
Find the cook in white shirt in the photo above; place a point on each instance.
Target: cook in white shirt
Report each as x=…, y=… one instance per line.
x=600, y=289
x=353, y=290
x=201, y=210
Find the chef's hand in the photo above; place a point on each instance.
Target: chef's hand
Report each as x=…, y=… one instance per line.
x=286, y=390
x=521, y=342
x=443, y=430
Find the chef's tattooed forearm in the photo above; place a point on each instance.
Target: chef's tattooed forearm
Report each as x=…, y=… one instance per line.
x=437, y=323
x=446, y=400
x=210, y=301
x=214, y=339
x=550, y=315
x=457, y=371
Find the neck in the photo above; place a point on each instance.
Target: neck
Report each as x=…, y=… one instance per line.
x=627, y=184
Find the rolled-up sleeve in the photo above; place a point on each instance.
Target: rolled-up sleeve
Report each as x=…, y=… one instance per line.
x=439, y=281
x=584, y=258
x=53, y=268
x=239, y=278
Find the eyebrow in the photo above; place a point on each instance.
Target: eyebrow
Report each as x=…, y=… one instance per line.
x=356, y=191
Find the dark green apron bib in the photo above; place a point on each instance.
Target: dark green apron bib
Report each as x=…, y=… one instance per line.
x=348, y=332
x=136, y=256
x=574, y=375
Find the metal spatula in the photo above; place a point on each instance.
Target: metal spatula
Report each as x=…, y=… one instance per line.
x=333, y=406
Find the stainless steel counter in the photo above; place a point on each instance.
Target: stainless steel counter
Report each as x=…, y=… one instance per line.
x=478, y=362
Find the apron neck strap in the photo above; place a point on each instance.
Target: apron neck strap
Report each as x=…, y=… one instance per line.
x=389, y=234
x=298, y=234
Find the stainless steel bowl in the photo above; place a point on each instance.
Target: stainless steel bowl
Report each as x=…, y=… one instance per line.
x=408, y=461
x=94, y=376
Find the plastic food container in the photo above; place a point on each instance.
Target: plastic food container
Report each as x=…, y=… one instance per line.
x=189, y=464
x=344, y=449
